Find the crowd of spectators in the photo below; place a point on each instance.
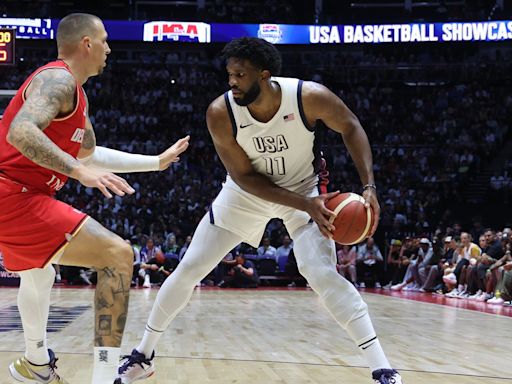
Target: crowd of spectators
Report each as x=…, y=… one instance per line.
x=428, y=144
x=261, y=11
x=454, y=264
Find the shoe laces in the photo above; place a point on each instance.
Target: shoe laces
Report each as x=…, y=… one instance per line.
x=53, y=364
x=385, y=376
x=136, y=358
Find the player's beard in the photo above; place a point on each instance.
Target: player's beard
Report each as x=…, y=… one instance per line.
x=250, y=96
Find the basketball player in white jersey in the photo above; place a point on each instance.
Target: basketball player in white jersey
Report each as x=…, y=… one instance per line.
x=263, y=132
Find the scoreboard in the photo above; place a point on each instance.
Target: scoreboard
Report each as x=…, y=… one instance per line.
x=7, y=41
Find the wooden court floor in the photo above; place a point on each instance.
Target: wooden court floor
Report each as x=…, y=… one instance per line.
x=271, y=337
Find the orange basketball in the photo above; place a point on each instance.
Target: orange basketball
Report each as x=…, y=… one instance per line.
x=353, y=220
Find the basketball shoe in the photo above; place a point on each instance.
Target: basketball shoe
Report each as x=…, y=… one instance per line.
x=26, y=372
x=386, y=376
x=135, y=367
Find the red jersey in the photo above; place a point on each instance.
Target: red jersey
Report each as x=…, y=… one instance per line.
x=66, y=132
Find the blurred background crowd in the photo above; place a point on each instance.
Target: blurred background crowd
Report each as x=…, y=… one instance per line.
x=438, y=117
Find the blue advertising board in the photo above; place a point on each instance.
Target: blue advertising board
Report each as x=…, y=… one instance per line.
x=198, y=32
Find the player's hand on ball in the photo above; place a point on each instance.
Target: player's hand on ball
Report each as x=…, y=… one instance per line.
x=320, y=214
x=171, y=154
x=370, y=196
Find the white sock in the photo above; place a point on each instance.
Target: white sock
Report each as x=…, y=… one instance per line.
x=149, y=340
x=37, y=351
x=34, y=307
x=106, y=360
x=362, y=332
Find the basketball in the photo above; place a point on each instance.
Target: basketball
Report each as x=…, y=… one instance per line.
x=353, y=220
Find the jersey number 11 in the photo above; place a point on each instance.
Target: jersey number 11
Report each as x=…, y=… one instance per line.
x=275, y=165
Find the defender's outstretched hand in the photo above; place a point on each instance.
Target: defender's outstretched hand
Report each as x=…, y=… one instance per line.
x=171, y=155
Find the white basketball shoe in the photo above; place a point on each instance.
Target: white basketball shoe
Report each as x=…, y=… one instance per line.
x=135, y=367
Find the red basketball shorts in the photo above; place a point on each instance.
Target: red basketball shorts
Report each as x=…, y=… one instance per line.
x=34, y=227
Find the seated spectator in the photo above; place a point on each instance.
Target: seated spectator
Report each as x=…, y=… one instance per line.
x=266, y=251
x=477, y=272
x=420, y=258
x=506, y=286
x=426, y=254
x=282, y=253
x=221, y=270
x=470, y=254
x=494, y=247
x=146, y=253
x=346, y=262
x=136, y=263
x=370, y=264
x=183, y=249
x=449, y=278
x=501, y=270
x=443, y=254
x=156, y=269
x=433, y=280
x=292, y=271
x=149, y=250
x=170, y=245
x=396, y=263
x=242, y=275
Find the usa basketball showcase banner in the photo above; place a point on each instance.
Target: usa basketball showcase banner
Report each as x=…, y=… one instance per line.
x=198, y=32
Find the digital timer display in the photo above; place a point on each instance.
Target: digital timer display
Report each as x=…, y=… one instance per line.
x=7, y=39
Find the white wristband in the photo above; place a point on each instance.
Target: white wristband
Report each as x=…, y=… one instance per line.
x=115, y=161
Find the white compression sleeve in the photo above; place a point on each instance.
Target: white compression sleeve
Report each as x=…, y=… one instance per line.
x=116, y=161
x=34, y=307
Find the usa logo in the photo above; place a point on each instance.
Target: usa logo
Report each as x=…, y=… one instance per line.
x=270, y=32
x=177, y=31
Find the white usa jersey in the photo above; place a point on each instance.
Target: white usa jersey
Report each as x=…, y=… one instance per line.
x=283, y=149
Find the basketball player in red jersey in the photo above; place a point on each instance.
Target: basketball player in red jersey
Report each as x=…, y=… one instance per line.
x=45, y=137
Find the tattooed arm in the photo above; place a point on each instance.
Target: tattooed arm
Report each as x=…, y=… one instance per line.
x=51, y=92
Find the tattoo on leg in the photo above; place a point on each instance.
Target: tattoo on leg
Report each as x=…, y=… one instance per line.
x=121, y=320
x=104, y=325
x=121, y=286
x=102, y=302
x=110, y=272
x=112, y=299
x=98, y=341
